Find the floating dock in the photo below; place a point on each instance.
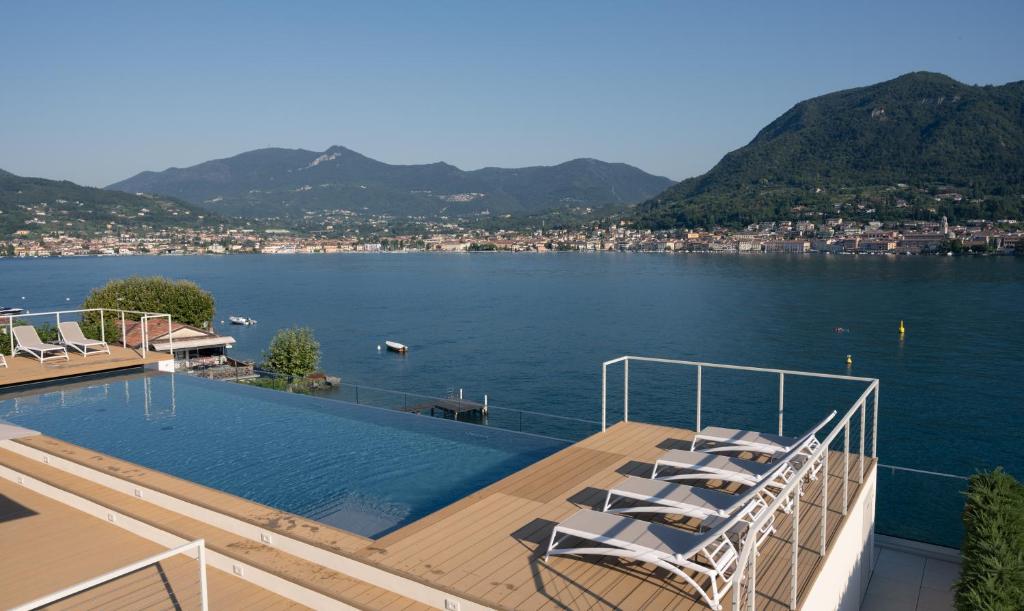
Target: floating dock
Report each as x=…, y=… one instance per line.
x=450, y=408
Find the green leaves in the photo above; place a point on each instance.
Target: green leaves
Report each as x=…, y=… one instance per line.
x=992, y=571
x=293, y=352
x=182, y=299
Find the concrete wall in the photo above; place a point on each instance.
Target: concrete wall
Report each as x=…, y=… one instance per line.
x=843, y=579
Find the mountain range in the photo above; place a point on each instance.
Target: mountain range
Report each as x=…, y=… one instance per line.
x=286, y=183
x=46, y=206
x=918, y=146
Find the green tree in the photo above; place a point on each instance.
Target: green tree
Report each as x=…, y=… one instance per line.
x=293, y=352
x=182, y=299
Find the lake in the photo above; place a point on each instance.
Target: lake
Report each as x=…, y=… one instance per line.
x=531, y=331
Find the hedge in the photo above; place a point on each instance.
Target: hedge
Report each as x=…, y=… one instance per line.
x=992, y=566
x=182, y=299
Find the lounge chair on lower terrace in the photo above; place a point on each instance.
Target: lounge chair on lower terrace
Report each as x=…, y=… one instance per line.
x=711, y=507
x=27, y=341
x=71, y=335
x=710, y=555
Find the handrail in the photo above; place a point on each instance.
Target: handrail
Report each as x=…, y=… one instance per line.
x=199, y=544
x=792, y=490
x=144, y=318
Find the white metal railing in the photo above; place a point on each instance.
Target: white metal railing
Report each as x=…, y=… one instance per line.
x=747, y=562
x=200, y=554
x=144, y=318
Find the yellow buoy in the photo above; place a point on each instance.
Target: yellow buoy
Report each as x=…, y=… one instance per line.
x=849, y=360
x=902, y=328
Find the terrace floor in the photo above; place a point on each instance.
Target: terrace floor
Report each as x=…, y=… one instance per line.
x=46, y=546
x=23, y=369
x=488, y=547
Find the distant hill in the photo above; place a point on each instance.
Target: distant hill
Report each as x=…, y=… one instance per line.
x=41, y=205
x=276, y=182
x=918, y=146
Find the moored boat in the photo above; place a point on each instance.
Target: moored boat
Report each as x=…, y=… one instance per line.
x=241, y=320
x=396, y=347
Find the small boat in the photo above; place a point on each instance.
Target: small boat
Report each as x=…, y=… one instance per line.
x=6, y=310
x=241, y=320
x=396, y=347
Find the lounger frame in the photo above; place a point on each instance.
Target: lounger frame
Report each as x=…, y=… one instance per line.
x=719, y=558
x=81, y=343
x=37, y=348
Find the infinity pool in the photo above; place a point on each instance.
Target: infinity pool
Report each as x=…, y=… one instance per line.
x=362, y=469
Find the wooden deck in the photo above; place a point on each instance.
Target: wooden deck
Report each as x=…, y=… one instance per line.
x=23, y=369
x=297, y=570
x=488, y=546
x=46, y=546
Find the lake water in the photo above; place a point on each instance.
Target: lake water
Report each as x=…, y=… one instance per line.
x=532, y=330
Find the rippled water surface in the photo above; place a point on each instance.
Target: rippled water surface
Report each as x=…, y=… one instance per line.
x=532, y=330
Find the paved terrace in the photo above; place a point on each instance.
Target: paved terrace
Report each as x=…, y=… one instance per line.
x=488, y=546
x=23, y=369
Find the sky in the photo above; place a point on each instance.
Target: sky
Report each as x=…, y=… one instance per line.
x=95, y=92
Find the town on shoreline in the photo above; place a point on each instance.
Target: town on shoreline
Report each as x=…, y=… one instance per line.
x=834, y=235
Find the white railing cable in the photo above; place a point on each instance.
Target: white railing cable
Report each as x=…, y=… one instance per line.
x=745, y=574
x=199, y=544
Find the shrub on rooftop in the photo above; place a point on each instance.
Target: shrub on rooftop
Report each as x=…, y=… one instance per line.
x=293, y=352
x=992, y=568
x=182, y=299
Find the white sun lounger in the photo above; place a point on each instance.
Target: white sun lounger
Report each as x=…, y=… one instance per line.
x=3, y=361
x=720, y=439
x=705, y=466
x=690, y=556
x=28, y=341
x=708, y=506
x=71, y=335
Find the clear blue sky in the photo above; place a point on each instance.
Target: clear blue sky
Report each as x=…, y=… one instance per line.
x=96, y=92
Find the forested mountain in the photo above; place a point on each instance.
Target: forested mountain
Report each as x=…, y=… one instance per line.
x=919, y=146
x=41, y=205
x=277, y=182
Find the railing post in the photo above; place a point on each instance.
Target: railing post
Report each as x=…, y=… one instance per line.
x=824, y=503
x=103, y=326
x=170, y=336
x=796, y=548
x=10, y=332
x=699, y=375
x=625, y=391
x=752, y=578
x=782, y=394
x=846, y=464
x=874, y=426
x=604, y=395
x=204, y=602
x=863, y=420
x=124, y=334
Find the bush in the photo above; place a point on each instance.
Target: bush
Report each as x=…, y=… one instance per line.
x=992, y=569
x=182, y=299
x=293, y=352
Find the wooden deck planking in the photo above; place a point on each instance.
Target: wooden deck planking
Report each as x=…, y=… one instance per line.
x=290, y=567
x=488, y=547
x=23, y=369
x=46, y=546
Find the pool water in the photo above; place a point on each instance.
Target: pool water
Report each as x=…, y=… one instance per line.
x=361, y=469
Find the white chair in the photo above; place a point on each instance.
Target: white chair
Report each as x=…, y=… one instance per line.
x=71, y=335
x=27, y=341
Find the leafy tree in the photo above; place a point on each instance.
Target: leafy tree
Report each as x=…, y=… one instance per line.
x=182, y=299
x=992, y=571
x=293, y=352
